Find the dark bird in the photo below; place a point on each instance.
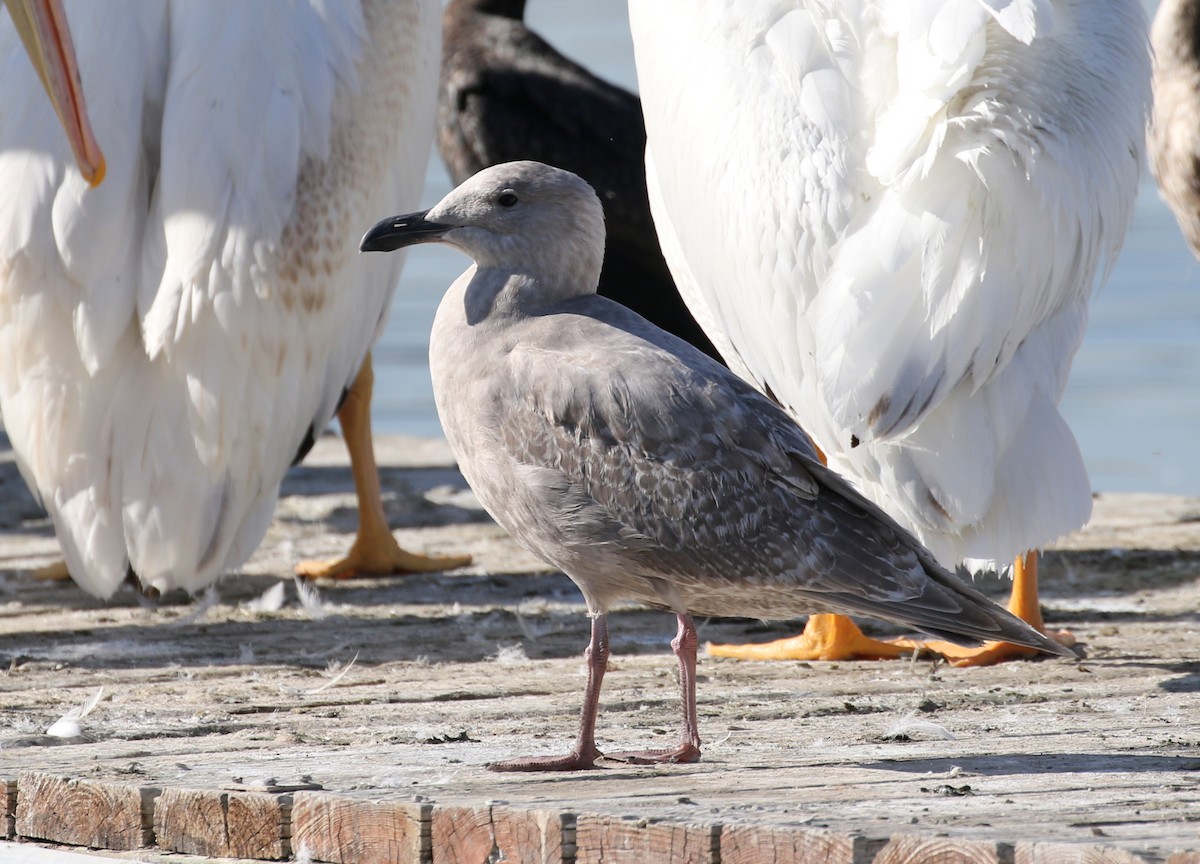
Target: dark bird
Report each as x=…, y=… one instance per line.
x=506, y=94
x=640, y=467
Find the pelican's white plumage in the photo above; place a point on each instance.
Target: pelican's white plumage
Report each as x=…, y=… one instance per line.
x=891, y=217
x=168, y=339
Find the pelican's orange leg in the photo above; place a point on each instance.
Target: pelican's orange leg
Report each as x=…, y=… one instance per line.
x=1024, y=604
x=375, y=550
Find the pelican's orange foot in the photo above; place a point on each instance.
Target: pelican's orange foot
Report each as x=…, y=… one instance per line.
x=56, y=572
x=825, y=637
x=381, y=558
x=1024, y=604
x=375, y=551
x=987, y=654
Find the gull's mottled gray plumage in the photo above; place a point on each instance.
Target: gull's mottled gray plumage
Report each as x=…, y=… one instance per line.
x=647, y=473
x=639, y=466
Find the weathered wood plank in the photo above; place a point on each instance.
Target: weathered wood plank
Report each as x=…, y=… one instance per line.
x=114, y=816
x=468, y=835
x=612, y=840
x=751, y=844
x=462, y=834
x=1060, y=853
x=910, y=849
x=549, y=836
x=348, y=831
x=8, y=804
x=222, y=824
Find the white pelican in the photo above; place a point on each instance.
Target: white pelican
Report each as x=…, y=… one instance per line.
x=1174, y=136
x=642, y=468
x=890, y=216
x=171, y=340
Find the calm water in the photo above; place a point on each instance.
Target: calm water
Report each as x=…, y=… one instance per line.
x=1134, y=396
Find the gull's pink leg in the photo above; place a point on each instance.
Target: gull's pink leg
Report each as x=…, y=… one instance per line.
x=684, y=645
x=584, y=754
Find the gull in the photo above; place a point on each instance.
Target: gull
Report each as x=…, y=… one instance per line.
x=174, y=338
x=890, y=216
x=636, y=464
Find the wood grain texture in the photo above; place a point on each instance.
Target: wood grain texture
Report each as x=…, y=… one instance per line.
x=349, y=831
x=8, y=806
x=535, y=835
x=752, y=844
x=612, y=840
x=255, y=826
x=115, y=816
x=462, y=834
x=222, y=824
x=909, y=849
x=1059, y=853
x=472, y=835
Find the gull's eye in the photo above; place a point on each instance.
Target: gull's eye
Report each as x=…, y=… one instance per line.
x=507, y=198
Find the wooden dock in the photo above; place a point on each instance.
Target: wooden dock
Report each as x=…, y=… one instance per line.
x=356, y=726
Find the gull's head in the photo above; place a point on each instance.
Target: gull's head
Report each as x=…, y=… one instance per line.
x=525, y=217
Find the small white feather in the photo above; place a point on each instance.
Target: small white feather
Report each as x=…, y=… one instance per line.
x=911, y=726
x=534, y=619
x=270, y=600
x=68, y=726
x=311, y=600
x=721, y=740
x=338, y=675
x=200, y=608
x=510, y=655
